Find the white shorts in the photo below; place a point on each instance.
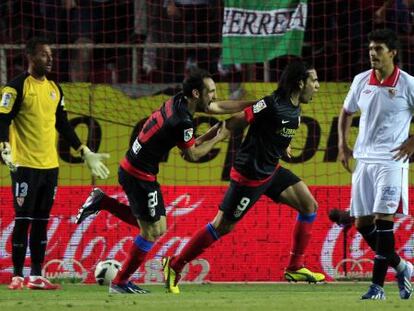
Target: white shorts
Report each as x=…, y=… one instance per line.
x=378, y=188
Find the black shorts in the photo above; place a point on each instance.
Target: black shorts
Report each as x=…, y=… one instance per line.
x=145, y=197
x=34, y=191
x=239, y=198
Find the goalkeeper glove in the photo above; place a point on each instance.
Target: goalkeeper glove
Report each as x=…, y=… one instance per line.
x=94, y=162
x=5, y=150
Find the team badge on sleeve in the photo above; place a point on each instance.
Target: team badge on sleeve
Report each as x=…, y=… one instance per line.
x=5, y=100
x=260, y=105
x=188, y=134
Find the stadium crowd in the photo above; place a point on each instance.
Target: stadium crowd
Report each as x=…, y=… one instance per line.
x=335, y=37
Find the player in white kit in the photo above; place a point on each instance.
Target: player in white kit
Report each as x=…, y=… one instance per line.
x=384, y=95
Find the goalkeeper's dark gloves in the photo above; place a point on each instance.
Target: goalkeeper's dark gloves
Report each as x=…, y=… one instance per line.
x=94, y=162
x=5, y=150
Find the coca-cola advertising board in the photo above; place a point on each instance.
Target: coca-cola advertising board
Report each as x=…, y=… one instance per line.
x=257, y=250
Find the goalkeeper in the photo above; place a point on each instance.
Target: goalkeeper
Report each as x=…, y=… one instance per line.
x=31, y=110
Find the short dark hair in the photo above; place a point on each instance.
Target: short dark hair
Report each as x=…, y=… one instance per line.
x=195, y=81
x=293, y=73
x=386, y=36
x=33, y=43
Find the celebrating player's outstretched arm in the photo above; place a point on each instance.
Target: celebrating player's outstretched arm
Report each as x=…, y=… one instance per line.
x=228, y=106
x=206, y=142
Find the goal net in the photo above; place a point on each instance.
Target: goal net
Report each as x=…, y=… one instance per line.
x=117, y=61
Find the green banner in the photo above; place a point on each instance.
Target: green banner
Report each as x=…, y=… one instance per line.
x=255, y=31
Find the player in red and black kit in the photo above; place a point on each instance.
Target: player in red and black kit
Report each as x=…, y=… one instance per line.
x=273, y=122
x=171, y=125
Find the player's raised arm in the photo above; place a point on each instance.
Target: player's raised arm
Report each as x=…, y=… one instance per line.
x=228, y=106
x=237, y=121
x=205, y=143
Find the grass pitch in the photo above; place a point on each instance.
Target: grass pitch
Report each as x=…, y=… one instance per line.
x=211, y=297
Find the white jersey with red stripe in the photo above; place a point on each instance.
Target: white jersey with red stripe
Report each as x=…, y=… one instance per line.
x=386, y=110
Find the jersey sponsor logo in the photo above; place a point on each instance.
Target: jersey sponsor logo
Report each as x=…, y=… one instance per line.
x=260, y=105
x=53, y=95
x=287, y=132
x=285, y=121
x=188, y=134
x=367, y=91
x=6, y=99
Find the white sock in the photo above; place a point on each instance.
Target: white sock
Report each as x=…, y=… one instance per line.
x=401, y=266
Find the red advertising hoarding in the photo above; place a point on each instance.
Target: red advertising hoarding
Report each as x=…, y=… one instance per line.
x=257, y=250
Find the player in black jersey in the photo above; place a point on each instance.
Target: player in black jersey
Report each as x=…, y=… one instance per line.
x=171, y=125
x=256, y=171
x=36, y=107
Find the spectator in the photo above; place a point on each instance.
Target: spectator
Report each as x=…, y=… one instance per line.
x=87, y=27
x=194, y=21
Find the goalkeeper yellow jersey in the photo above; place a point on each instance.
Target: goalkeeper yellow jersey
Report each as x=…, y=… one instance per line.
x=34, y=109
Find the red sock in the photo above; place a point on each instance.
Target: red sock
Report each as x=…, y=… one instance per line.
x=301, y=238
x=119, y=210
x=136, y=257
x=201, y=240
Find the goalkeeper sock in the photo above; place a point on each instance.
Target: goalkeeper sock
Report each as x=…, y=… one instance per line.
x=119, y=210
x=201, y=240
x=301, y=237
x=136, y=257
x=19, y=245
x=38, y=241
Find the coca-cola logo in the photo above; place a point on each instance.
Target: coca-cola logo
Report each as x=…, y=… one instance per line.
x=188, y=210
x=78, y=249
x=356, y=261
